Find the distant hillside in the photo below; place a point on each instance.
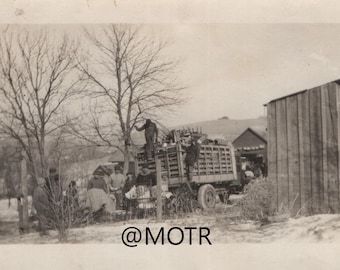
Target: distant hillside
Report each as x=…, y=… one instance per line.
x=230, y=129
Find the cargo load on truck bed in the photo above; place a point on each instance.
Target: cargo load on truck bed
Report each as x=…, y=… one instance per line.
x=215, y=171
x=216, y=164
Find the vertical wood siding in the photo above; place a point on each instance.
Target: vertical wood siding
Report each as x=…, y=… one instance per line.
x=272, y=164
x=304, y=151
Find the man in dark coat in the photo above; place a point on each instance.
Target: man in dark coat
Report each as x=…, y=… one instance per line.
x=129, y=182
x=72, y=194
x=151, y=137
x=146, y=177
x=192, y=156
x=42, y=205
x=54, y=186
x=145, y=180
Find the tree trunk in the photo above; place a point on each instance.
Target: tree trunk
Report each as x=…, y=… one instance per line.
x=126, y=159
x=32, y=168
x=24, y=190
x=43, y=169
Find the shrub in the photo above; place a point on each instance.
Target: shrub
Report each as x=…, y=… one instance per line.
x=183, y=201
x=61, y=212
x=257, y=203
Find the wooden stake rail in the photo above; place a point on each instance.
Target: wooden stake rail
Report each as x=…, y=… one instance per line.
x=213, y=160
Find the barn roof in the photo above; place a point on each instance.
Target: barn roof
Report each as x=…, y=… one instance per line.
x=230, y=129
x=286, y=96
x=87, y=167
x=259, y=131
x=300, y=92
x=107, y=168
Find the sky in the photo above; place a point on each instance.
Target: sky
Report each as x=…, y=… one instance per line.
x=234, y=56
x=234, y=69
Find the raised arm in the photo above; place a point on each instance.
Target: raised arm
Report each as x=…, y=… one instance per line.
x=141, y=128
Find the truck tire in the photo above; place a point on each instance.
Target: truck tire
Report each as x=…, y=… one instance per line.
x=207, y=196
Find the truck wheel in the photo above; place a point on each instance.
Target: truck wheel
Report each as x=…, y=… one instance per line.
x=207, y=196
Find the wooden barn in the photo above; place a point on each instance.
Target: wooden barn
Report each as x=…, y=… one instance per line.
x=252, y=145
x=304, y=149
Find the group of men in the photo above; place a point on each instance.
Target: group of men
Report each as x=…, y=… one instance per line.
x=114, y=186
x=104, y=185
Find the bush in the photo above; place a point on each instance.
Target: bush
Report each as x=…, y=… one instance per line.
x=60, y=212
x=257, y=203
x=183, y=201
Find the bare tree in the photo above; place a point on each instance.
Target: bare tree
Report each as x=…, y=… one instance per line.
x=38, y=76
x=132, y=78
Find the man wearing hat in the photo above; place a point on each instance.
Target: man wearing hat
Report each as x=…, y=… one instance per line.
x=128, y=184
x=117, y=185
x=146, y=177
x=54, y=185
x=151, y=137
x=192, y=156
x=42, y=205
x=145, y=181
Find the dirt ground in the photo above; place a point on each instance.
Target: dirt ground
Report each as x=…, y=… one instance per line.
x=224, y=223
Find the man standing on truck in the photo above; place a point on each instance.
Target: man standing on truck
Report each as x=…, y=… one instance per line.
x=192, y=156
x=151, y=137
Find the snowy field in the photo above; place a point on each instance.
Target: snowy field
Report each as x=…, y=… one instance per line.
x=224, y=223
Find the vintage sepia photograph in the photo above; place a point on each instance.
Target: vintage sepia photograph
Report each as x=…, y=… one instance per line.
x=169, y=134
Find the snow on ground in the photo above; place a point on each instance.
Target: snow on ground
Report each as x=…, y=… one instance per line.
x=8, y=210
x=319, y=228
x=224, y=223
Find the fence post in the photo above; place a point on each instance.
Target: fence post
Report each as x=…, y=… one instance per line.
x=24, y=191
x=159, y=188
